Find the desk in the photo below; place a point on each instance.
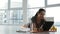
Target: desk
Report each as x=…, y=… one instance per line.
x=12, y=30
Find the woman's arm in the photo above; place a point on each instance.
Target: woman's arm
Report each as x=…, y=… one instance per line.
x=33, y=28
x=24, y=26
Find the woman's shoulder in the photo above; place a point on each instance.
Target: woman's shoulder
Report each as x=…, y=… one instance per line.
x=33, y=19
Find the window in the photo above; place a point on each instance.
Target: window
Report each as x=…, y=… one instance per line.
x=51, y=2
x=11, y=17
x=2, y=16
x=31, y=12
x=16, y=3
x=54, y=12
x=3, y=4
x=16, y=16
x=35, y=3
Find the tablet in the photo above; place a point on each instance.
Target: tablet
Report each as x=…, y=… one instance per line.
x=47, y=25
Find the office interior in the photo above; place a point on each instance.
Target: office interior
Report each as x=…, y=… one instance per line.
x=14, y=13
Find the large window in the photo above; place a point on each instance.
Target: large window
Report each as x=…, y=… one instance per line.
x=9, y=15
x=16, y=3
x=35, y=3
x=13, y=17
x=16, y=16
x=54, y=12
x=11, y=12
x=2, y=13
x=51, y=2
x=3, y=4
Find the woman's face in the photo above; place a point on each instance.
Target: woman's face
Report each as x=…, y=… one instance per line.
x=41, y=15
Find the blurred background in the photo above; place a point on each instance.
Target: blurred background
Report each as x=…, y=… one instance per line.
x=15, y=12
x=18, y=12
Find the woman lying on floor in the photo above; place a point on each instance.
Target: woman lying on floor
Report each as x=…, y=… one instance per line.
x=39, y=23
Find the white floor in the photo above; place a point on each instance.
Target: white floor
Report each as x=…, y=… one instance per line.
x=11, y=29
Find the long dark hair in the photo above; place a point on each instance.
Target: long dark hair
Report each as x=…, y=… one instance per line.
x=33, y=19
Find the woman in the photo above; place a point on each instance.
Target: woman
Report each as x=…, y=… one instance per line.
x=38, y=22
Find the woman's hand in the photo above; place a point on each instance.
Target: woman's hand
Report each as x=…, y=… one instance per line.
x=24, y=26
x=40, y=30
x=34, y=30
